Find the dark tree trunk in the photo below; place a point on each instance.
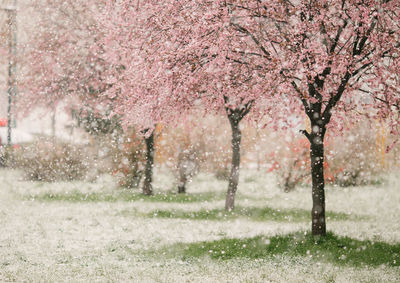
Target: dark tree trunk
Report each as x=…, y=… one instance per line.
x=182, y=183
x=317, y=174
x=234, y=175
x=148, y=172
x=182, y=188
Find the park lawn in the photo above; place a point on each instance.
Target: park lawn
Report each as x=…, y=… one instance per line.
x=96, y=232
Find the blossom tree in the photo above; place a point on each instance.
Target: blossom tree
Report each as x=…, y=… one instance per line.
x=186, y=54
x=59, y=62
x=138, y=89
x=70, y=56
x=314, y=56
x=326, y=52
x=386, y=95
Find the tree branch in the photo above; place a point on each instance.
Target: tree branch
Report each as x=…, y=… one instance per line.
x=303, y=100
x=307, y=134
x=337, y=37
x=246, y=31
x=246, y=110
x=335, y=98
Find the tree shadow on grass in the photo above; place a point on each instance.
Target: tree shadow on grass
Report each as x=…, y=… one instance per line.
x=332, y=248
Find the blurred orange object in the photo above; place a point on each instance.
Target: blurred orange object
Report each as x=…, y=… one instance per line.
x=3, y=122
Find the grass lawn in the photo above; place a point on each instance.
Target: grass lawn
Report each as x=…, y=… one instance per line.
x=97, y=232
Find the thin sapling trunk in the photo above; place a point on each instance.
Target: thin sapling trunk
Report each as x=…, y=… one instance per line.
x=148, y=172
x=182, y=185
x=235, y=166
x=235, y=116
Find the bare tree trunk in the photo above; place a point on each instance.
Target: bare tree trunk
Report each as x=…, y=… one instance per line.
x=182, y=177
x=148, y=172
x=318, y=183
x=234, y=175
x=182, y=170
x=182, y=187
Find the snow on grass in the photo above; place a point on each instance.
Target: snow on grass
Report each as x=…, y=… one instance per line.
x=102, y=240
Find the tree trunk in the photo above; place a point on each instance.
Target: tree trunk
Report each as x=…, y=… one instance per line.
x=181, y=188
x=234, y=175
x=148, y=172
x=318, y=183
x=182, y=181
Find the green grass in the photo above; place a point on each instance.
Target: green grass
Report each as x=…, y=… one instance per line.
x=253, y=213
x=332, y=248
x=127, y=196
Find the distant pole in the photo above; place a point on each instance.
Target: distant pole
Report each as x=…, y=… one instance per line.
x=12, y=67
